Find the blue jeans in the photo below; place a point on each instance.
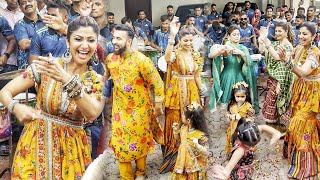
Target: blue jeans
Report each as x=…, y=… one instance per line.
x=8, y=68
x=95, y=130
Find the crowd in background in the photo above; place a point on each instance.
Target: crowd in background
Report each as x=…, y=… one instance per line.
x=75, y=56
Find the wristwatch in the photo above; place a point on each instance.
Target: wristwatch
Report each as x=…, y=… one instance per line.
x=7, y=54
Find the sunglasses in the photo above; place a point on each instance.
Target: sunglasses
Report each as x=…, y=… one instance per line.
x=244, y=19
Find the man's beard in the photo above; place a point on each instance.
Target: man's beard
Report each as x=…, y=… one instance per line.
x=120, y=50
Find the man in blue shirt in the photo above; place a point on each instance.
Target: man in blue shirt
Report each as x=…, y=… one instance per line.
x=247, y=33
x=214, y=16
x=25, y=29
x=170, y=12
x=138, y=32
x=7, y=33
x=311, y=14
x=248, y=10
x=301, y=11
x=298, y=23
x=80, y=8
x=206, y=9
x=48, y=40
x=199, y=19
x=161, y=36
x=110, y=20
x=217, y=33
x=227, y=12
x=105, y=36
x=289, y=18
x=144, y=24
x=190, y=24
x=268, y=22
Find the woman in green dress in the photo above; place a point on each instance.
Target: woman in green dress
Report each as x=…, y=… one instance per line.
x=238, y=67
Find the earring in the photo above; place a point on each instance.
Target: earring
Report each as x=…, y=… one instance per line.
x=94, y=59
x=313, y=43
x=66, y=57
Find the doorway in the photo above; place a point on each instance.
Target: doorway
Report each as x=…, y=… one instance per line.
x=133, y=6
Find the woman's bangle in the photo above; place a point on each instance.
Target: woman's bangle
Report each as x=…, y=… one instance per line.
x=12, y=104
x=71, y=83
x=36, y=75
x=76, y=94
x=65, y=84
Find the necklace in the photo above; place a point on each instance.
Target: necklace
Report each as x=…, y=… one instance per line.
x=239, y=105
x=189, y=63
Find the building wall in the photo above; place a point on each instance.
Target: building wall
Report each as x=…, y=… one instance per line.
x=118, y=8
x=305, y=4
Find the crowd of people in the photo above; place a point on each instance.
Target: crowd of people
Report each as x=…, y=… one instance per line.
x=76, y=59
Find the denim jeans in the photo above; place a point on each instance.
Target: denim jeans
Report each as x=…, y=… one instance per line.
x=95, y=130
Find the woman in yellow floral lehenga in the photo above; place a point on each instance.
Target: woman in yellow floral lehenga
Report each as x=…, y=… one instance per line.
x=302, y=140
x=53, y=144
x=182, y=86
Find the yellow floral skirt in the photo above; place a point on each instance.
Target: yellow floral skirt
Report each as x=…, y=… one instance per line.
x=46, y=147
x=303, y=146
x=231, y=128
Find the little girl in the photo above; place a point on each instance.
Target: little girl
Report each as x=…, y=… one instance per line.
x=245, y=138
x=238, y=107
x=193, y=150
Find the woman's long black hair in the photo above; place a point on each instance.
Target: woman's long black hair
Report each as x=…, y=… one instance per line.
x=233, y=92
x=198, y=120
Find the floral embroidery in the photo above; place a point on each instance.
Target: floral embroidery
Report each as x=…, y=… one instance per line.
x=306, y=137
x=133, y=147
x=127, y=88
x=132, y=106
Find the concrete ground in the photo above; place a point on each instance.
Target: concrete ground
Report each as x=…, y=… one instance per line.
x=269, y=162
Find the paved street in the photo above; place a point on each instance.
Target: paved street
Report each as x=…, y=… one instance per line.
x=269, y=161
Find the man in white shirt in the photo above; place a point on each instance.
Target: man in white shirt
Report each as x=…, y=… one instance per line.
x=12, y=14
x=42, y=7
x=3, y=4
